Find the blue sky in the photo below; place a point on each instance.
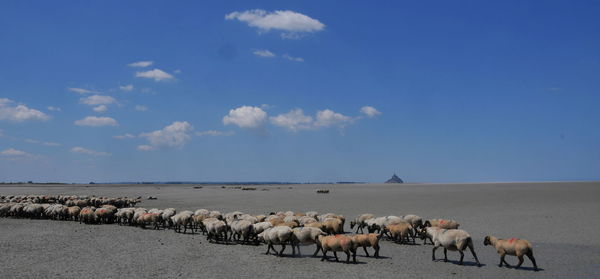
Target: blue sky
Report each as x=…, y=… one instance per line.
x=299, y=91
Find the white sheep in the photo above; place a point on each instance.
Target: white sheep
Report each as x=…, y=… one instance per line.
x=360, y=221
x=453, y=240
x=305, y=235
x=276, y=235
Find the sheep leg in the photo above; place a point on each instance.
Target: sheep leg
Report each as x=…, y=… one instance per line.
x=462, y=256
x=520, y=262
x=530, y=256
x=282, y=248
x=354, y=256
x=317, y=251
x=470, y=244
x=324, y=255
x=446, y=255
x=336, y=257
x=376, y=250
x=503, y=261
x=268, y=249
x=366, y=252
x=433, y=253
x=347, y=256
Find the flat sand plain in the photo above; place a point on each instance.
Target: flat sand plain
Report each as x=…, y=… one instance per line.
x=562, y=220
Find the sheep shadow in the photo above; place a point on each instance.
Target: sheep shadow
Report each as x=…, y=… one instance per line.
x=371, y=257
x=465, y=263
x=524, y=268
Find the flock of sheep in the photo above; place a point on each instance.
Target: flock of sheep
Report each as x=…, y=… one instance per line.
x=325, y=231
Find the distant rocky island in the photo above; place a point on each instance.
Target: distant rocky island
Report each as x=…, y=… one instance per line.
x=395, y=179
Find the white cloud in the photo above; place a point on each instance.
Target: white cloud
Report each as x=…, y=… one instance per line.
x=126, y=88
x=100, y=108
x=292, y=23
x=95, y=121
x=125, y=136
x=263, y=53
x=144, y=147
x=18, y=112
x=82, y=150
x=246, y=117
x=369, y=111
x=51, y=108
x=141, y=108
x=215, y=133
x=95, y=100
x=42, y=142
x=140, y=64
x=156, y=74
x=291, y=58
x=295, y=120
x=174, y=135
x=80, y=90
x=328, y=118
x=11, y=152
x=178, y=71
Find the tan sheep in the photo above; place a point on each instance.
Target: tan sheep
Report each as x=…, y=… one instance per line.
x=366, y=240
x=337, y=243
x=400, y=232
x=454, y=240
x=333, y=226
x=513, y=247
x=360, y=221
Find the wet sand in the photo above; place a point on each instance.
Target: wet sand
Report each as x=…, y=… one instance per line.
x=560, y=219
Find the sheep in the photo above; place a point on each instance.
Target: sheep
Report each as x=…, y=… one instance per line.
x=4, y=209
x=442, y=224
x=306, y=235
x=366, y=240
x=360, y=221
x=415, y=221
x=87, y=215
x=290, y=218
x=149, y=218
x=229, y=217
x=513, y=247
x=333, y=226
x=275, y=221
x=105, y=215
x=291, y=224
x=262, y=226
x=249, y=218
x=182, y=219
x=215, y=214
x=313, y=214
x=400, y=231
x=276, y=235
x=216, y=229
x=260, y=218
x=125, y=215
x=439, y=223
x=203, y=212
x=318, y=225
x=377, y=224
x=306, y=220
x=166, y=217
x=337, y=243
x=451, y=239
x=73, y=212
x=241, y=229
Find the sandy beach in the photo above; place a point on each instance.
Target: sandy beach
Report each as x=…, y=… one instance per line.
x=561, y=219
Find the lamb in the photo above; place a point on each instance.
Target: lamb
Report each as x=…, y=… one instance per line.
x=513, y=247
x=360, y=221
x=182, y=219
x=400, y=232
x=276, y=235
x=337, y=243
x=451, y=239
x=305, y=235
x=366, y=240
